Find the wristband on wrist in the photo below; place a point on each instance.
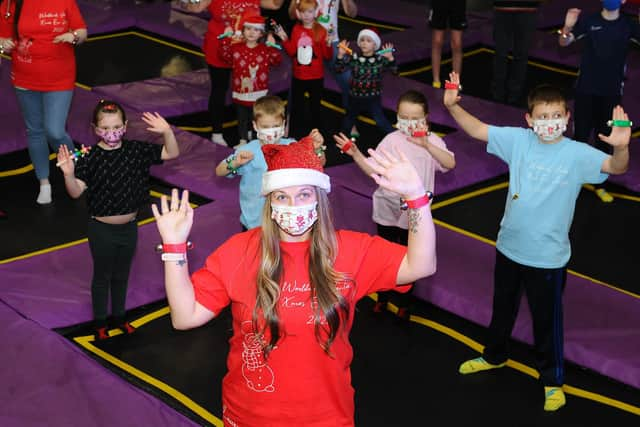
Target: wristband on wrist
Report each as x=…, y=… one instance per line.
x=76, y=37
x=416, y=203
x=620, y=123
x=419, y=133
x=174, y=251
x=346, y=147
x=454, y=86
x=232, y=170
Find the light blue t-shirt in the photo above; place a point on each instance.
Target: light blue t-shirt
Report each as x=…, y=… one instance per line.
x=251, y=199
x=546, y=179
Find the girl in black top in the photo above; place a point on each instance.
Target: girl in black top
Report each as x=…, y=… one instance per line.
x=115, y=174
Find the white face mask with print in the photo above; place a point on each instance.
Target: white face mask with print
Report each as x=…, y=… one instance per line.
x=270, y=135
x=550, y=129
x=407, y=126
x=295, y=220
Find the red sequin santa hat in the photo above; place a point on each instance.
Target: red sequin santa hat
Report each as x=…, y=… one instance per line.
x=373, y=34
x=293, y=164
x=251, y=19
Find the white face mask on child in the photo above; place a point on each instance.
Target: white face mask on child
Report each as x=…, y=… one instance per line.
x=270, y=135
x=407, y=126
x=550, y=129
x=295, y=220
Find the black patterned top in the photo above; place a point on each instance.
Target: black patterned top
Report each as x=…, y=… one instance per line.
x=366, y=73
x=118, y=180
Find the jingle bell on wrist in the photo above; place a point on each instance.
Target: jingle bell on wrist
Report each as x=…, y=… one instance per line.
x=416, y=203
x=174, y=251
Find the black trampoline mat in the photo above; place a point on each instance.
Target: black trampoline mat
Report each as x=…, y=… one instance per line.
x=602, y=234
x=478, y=63
x=115, y=57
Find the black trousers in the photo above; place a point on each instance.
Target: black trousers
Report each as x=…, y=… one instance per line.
x=544, y=288
x=112, y=249
x=305, y=112
x=220, y=78
x=401, y=236
x=244, y=114
x=362, y=104
x=591, y=113
x=512, y=31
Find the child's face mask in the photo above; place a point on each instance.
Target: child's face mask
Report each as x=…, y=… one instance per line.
x=550, y=129
x=611, y=5
x=111, y=137
x=270, y=135
x=408, y=126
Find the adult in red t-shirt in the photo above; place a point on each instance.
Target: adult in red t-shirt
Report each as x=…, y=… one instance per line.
x=292, y=285
x=224, y=13
x=41, y=36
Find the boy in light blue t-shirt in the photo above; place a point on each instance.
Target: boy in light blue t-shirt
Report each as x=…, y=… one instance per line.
x=248, y=161
x=546, y=173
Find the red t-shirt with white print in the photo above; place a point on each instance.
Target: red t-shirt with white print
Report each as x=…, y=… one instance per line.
x=37, y=63
x=298, y=384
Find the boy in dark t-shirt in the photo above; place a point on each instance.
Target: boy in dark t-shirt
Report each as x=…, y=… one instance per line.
x=605, y=36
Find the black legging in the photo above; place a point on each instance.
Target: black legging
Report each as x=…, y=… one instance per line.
x=302, y=121
x=219, y=78
x=112, y=249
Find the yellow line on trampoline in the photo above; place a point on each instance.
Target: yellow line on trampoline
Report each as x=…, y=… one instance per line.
x=78, y=242
x=370, y=23
x=521, y=367
x=87, y=343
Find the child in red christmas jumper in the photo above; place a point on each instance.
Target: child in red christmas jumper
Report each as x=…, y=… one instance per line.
x=250, y=62
x=309, y=46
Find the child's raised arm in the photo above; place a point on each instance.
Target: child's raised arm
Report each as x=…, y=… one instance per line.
x=470, y=124
x=347, y=146
x=566, y=36
x=227, y=166
x=157, y=124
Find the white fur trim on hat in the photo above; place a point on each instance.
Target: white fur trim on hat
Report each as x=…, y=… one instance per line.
x=281, y=178
x=375, y=37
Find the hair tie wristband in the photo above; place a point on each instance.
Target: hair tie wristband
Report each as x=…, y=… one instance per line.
x=620, y=123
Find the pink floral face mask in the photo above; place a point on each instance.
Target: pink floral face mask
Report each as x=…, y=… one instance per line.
x=295, y=220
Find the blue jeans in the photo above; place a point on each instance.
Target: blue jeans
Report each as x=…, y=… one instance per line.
x=370, y=104
x=343, y=79
x=45, y=116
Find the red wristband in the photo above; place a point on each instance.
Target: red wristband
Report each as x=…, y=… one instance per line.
x=419, y=133
x=346, y=147
x=174, y=248
x=416, y=203
x=455, y=86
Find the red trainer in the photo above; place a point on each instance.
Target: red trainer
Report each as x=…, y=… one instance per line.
x=403, y=313
x=127, y=328
x=379, y=307
x=101, y=334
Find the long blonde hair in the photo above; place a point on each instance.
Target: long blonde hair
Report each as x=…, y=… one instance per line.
x=326, y=300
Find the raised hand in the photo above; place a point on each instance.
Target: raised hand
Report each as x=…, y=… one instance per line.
x=317, y=137
x=279, y=31
x=343, y=47
x=243, y=157
x=65, y=160
x=619, y=136
x=270, y=39
x=157, y=124
x=389, y=53
x=174, y=220
x=451, y=96
x=419, y=136
x=393, y=171
x=571, y=17
x=345, y=144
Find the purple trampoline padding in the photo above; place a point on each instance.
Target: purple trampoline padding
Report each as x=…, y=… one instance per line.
x=54, y=289
x=599, y=323
x=48, y=381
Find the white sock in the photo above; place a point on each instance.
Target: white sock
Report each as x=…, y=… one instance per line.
x=218, y=139
x=44, y=197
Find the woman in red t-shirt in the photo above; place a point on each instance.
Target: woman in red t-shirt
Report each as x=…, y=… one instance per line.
x=224, y=13
x=292, y=285
x=41, y=37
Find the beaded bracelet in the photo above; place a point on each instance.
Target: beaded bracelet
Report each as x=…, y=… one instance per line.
x=232, y=170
